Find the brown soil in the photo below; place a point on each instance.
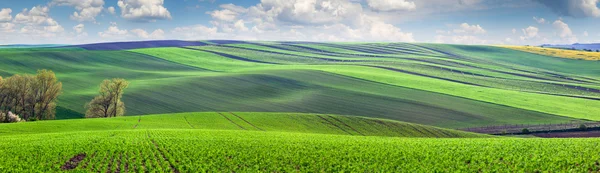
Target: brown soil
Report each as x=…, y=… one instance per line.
x=73, y=162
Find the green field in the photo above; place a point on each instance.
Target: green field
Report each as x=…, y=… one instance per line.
x=275, y=142
x=306, y=107
x=450, y=86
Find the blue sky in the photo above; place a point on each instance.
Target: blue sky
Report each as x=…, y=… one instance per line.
x=443, y=21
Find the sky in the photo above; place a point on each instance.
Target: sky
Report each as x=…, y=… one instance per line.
x=515, y=22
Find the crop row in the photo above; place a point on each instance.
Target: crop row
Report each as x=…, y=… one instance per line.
x=243, y=151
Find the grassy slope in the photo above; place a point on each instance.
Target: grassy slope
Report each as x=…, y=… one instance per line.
x=272, y=122
x=167, y=80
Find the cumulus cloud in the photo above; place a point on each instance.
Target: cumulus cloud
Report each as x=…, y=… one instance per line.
x=111, y=10
x=564, y=32
x=5, y=15
x=79, y=28
x=465, y=28
x=195, y=32
x=87, y=10
x=391, y=5
x=530, y=32
x=37, y=23
x=308, y=20
x=573, y=8
x=114, y=32
x=514, y=31
x=156, y=34
x=539, y=20
x=143, y=10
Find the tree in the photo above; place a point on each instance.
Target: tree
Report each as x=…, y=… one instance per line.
x=44, y=92
x=33, y=97
x=108, y=103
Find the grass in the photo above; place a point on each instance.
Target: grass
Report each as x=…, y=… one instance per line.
x=186, y=150
x=560, y=53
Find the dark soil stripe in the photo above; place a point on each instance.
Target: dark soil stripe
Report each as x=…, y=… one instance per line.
x=341, y=122
x=333, y=124
x=232, y=121
x=246, y=121
x=229, y=56
x=188, y=122
x=73, y=162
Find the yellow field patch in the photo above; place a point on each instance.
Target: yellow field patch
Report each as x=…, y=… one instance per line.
x=561, y=53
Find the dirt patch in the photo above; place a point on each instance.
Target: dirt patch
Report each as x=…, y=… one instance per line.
x=73, y=162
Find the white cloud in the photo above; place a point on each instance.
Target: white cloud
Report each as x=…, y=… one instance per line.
x=514, y=31
x=391, y=5
x=460, y=39
x=79, y=28
x=87, y=10
x=111, y=10
x=5, y=15
x=224, y=15
x=195, y=32
x=539, y=20
x=7, y=27
x=465, y=28
x=585, y=33
x=143, y=10
x=573, y=8
x=156, y=34
x=113, y=32
x=37, y=23
x=530, y=32
x=564, y=31
x=306, y=20
x=239, y=25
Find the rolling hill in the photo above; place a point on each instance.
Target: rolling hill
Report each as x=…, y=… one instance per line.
x=452, y=86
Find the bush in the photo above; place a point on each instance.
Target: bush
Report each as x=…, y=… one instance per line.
x=525, y=131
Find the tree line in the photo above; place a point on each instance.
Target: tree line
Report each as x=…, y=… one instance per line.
x=32, y=97
x=25, y=97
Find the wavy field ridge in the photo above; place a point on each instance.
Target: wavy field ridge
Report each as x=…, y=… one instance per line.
x=450, y=86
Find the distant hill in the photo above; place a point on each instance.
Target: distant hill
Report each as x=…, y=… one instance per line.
x=139, y=44
x=31, y=46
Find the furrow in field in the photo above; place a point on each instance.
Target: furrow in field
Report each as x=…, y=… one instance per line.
x=228, y=119
x=333, y=124
x=344, y=124
x=230, y=56
x=246, y=121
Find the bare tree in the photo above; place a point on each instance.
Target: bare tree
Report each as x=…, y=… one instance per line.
x=108, y=103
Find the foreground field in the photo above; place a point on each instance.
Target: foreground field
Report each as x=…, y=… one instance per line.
x=254, y=151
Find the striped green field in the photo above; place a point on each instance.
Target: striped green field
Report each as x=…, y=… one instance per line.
x=242, y=121
x=450, y=86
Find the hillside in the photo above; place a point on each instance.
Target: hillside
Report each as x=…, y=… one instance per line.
x=269, y=122
x=450, y=86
